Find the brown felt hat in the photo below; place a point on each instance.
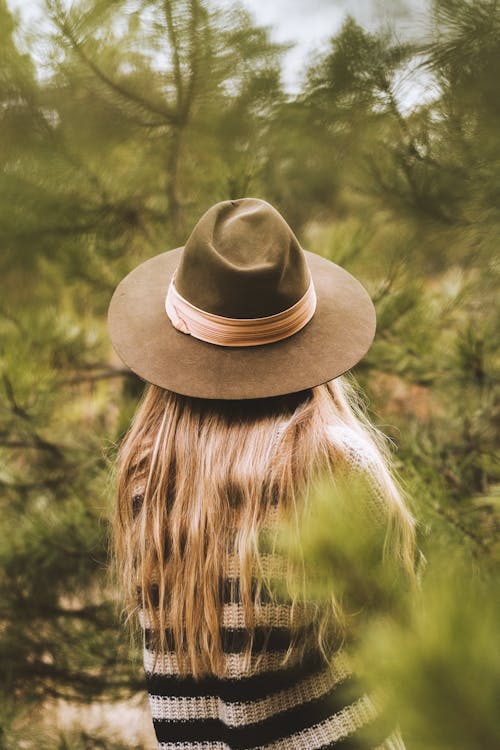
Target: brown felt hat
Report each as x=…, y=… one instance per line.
x=240, y=311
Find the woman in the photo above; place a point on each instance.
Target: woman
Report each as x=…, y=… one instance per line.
x=245, y=340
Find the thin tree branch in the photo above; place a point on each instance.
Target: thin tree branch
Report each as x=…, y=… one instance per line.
x=24, y=445
x=453, y=521
x=23, y=414
x=92, y=378
x=194, y=59
x=165, y=112
x=176, y=63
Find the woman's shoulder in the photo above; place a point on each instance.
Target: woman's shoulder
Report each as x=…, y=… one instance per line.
x=361, y=457
x=358, y=450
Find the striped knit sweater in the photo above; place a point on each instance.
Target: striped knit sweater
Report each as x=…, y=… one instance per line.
x=305, y=705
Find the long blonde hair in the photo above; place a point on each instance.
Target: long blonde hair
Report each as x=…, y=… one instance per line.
x=198, y=481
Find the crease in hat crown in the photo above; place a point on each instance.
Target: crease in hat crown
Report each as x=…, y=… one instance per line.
x=242, y=260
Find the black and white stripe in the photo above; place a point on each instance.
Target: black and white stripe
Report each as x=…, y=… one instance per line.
x=303, y=704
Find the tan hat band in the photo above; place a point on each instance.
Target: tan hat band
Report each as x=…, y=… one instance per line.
x=216, y=329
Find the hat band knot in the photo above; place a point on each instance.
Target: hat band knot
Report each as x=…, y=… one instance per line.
x=222, y=331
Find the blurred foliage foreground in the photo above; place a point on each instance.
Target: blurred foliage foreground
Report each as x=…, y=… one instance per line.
x=120, y=123
x=427, y=653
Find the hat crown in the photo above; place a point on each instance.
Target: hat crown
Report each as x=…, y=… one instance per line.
x=242, y=260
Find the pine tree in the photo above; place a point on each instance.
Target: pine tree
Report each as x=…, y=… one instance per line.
x=142, y=115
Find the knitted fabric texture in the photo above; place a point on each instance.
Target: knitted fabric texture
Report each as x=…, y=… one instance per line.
x=305, y=705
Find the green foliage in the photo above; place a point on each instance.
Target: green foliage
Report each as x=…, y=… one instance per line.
x=440, y=672
x=348, y=552
x=430, y=653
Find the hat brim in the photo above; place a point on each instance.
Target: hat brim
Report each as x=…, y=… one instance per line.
x=335, y=339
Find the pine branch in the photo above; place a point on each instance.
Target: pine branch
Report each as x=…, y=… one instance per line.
x=49, y=484
x=174, y=45
x=90, y=613
x=194, y=59
x=25, y=445
x=94, y=377
x=455, y=522
x=73, y=682
x=166, y=113
x=11, y=398
x=19, y=411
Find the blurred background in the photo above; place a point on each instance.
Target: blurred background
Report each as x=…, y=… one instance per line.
x=374, y=129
